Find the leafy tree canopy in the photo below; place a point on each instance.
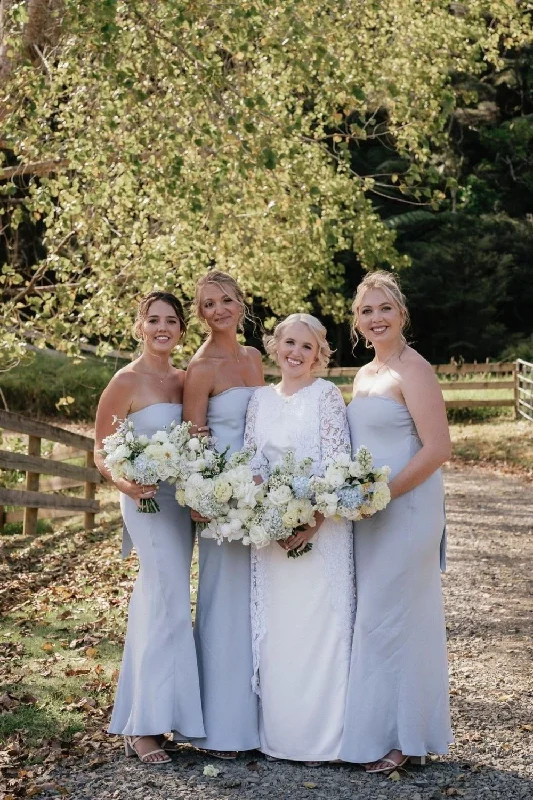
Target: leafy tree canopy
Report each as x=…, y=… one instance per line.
x=144, y=142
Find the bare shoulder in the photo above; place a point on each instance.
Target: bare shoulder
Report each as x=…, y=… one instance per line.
x=125, y=380
x=254, y=353
x=201, y=372
x=414, y=368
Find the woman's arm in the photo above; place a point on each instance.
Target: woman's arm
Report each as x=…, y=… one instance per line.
x=116, y=401
x=199, y=383
x=425, y=403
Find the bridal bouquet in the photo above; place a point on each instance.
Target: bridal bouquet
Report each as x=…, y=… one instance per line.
x=352, y=488
x=143, y=459
x=219, y=487
x=287, y=504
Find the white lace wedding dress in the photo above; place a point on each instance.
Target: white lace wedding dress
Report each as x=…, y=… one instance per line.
x=302, y=609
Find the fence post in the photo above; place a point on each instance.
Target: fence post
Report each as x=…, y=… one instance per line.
x=90, y=494
x=29, y=527
x=2, y=518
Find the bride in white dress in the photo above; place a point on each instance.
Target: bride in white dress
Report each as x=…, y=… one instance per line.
x=302, y=608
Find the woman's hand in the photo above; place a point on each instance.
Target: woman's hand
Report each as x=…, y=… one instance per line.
x=299, y=539
x=199, y=430
x=136, y=491
x=196, y=517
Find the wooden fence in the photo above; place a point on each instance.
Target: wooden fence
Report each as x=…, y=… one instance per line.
x=515, y=377
x=64, y=475
x=524, y=389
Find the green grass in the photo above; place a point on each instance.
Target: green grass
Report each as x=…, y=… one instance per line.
x=36, y=387
x=503, y=443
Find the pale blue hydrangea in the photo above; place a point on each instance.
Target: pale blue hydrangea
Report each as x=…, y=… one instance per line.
x=350, y=496
x=301, y=486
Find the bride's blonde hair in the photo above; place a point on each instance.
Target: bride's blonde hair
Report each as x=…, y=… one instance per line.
x=315, y=328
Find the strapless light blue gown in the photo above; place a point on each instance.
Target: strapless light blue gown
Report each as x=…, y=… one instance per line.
x=398, y=695
x=223, y=628
x=158, y=688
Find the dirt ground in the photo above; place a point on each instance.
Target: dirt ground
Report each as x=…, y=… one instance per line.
x=489, y=602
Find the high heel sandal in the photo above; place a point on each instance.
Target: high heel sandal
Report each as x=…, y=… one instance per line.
x=129, y=749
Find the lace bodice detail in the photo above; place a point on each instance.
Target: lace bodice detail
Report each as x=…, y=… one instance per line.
x=313, y=423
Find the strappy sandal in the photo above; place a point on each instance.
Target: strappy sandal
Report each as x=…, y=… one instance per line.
x=225, y=755
x=169, y=745
x=129, y=748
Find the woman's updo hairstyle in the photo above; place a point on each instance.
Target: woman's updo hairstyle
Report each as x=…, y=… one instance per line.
x=390, y=286
x=143, y=311
x=224, y=282
x=315, y=328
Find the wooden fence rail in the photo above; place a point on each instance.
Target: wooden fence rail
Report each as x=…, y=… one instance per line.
x=517, y=377
x=508, y=375
x=34, y=465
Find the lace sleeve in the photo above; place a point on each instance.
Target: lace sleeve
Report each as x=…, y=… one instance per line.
x=334, y=431
x=258, y=464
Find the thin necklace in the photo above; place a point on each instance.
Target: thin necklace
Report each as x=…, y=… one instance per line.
x=400, y=351
x=156, y=375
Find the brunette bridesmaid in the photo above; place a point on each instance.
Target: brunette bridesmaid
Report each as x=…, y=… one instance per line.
x=158, y=689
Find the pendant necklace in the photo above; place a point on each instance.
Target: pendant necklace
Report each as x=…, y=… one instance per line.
x=391, y=357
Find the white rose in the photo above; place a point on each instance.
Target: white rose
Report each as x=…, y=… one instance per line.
x=119, y=454
x=380, y=496
x=335, y=476
x=194, y=444
x=248, y=495
x=239, y=475
x=280, y=496
x=259, y=536
x=290, y=519
x=222, y=490
x=180, y=496
x=143, y=439
x=382, y=473
x=195, y=481
x=356, y=470
x=342, y=460
x=327, y=502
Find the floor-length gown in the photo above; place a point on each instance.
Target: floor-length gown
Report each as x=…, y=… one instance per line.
x=398, y=689
x=302, y=609
x=222, y=630
x=158, y=689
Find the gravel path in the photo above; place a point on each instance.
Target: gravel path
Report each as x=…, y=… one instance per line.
x=489, y=602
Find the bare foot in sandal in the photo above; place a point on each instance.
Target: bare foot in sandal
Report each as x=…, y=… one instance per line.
x=147, y=749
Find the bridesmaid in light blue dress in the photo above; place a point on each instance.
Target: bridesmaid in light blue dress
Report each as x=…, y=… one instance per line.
x=398, y=697
x=158, y=689
x=220, y=380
